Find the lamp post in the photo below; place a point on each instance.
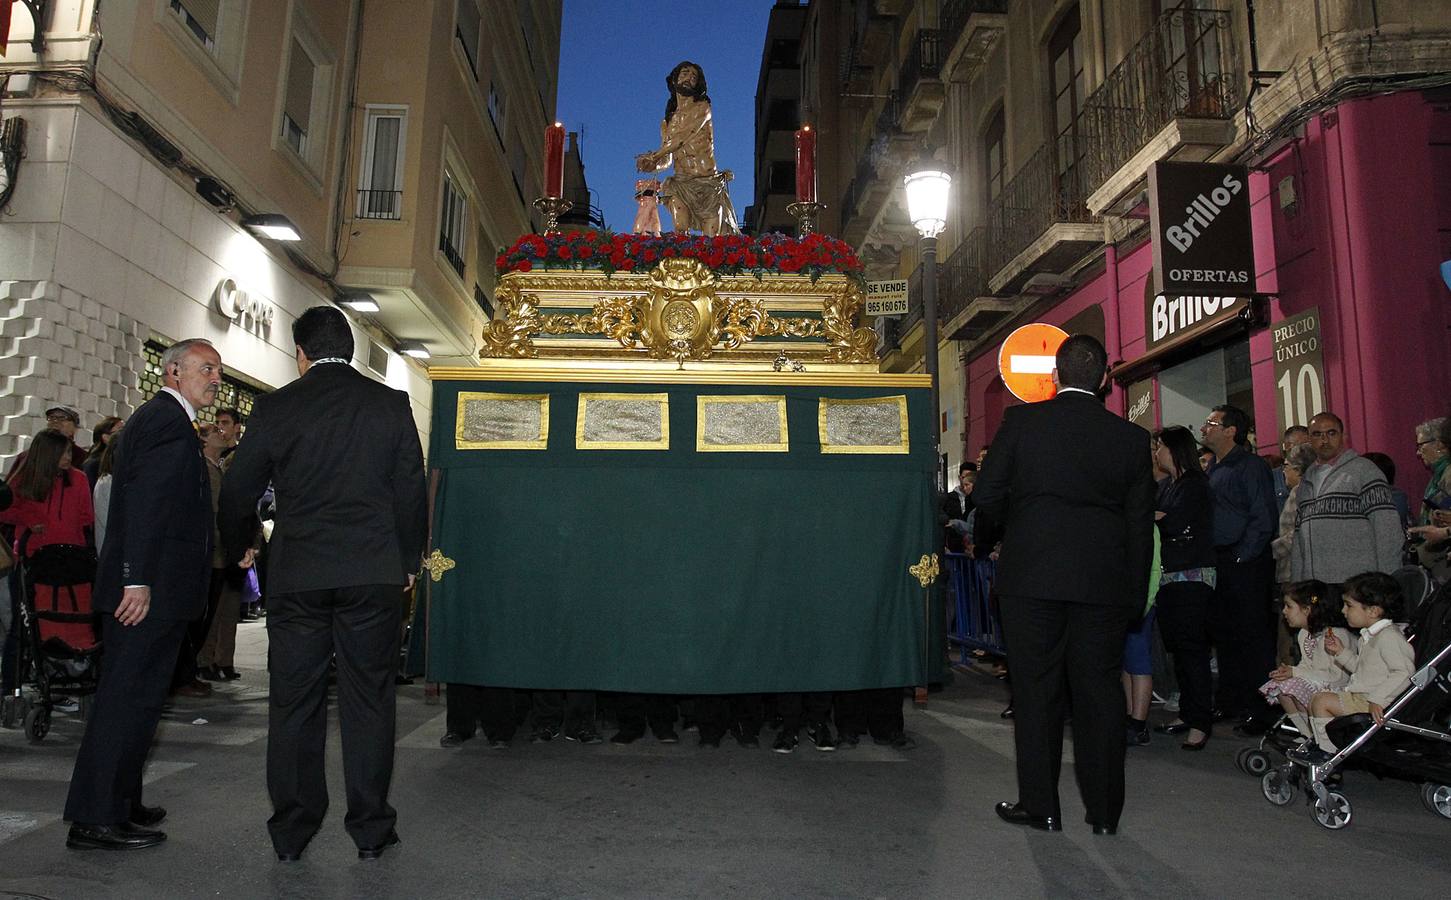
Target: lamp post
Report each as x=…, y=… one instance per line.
x=927, y=188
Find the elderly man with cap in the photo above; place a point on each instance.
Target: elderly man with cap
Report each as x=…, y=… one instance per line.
x=66, y=421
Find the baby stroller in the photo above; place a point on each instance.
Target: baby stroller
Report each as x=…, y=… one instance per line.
x=59, y=654
x=1417, y=589
x=1412, y=743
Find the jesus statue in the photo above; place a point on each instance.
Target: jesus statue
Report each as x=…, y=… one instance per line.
x=696, y=194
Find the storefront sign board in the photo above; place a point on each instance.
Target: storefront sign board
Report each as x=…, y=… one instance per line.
x=1299, y=368
x=1199, y=217
x=1177, y=318
x=1141, y=404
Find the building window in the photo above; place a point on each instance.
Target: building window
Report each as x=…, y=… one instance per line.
x=497, y=110
x=380, y=184
x=201, y=18
x=782, y=115
x=297, y=108
x=234, y=393
x=1067, y=84
x=210, y=33
x=467, y=31
x=992, y=154
x=484, y=252
x=453, y=223
x=783, y=53
x=781, y=178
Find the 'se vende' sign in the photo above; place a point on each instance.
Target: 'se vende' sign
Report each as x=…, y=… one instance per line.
x=1200, y=217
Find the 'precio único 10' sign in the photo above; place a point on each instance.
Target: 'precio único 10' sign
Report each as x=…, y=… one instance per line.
x=1200, y=217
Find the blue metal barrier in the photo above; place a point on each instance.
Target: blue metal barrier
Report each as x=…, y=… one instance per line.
x=975, y=624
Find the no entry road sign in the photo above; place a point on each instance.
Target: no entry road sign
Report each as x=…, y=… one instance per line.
x=1026, y=361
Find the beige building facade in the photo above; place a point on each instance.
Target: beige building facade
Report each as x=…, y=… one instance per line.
x=401, y=140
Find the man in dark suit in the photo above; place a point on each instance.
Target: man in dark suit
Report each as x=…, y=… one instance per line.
x=152, y=578
x=342, y=454
x=1071, y=482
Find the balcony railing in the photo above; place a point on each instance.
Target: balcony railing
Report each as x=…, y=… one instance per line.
x=380, y=204
x=451, y=254
x=1041, y=194
x=963, y=277
x=924, y=60
x=891, y=112
x=914, y=302
x=955, y=14
x=1183, y=67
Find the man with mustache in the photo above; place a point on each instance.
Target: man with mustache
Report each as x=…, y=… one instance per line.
x=151, y=581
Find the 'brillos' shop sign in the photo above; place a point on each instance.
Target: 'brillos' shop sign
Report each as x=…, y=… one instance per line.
x=1200, y=218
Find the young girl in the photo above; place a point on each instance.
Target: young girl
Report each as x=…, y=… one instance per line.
x=1307, y=612
x=1384, y=665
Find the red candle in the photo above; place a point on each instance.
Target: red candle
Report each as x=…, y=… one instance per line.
x=805, y=165
x=554, y=160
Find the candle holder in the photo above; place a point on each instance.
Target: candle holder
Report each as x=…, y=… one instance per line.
x=553, y=208
x=805, y=213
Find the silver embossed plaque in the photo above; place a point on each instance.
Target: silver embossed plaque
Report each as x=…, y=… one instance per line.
x=871, y=425
x=623, y=422
x=751, y=424
x=489, y=421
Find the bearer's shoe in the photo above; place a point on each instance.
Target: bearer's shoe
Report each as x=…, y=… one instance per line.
x=626, y=736
x=786, y=742
x=451, y=740
x=1014, y=814
x=147, y=816
x=667, y=735
x=544, y=734
x=375, y=852
x=210, y=673
x=584, y=736
x=230, y=674
x=821, y=737
x=747, y=739
x=847, y=739
x=112, y=837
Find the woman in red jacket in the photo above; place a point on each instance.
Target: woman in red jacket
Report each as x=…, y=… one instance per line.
x=52, y=506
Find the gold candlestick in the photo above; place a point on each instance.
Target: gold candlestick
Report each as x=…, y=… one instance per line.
x=805, y=214
x=553, y=208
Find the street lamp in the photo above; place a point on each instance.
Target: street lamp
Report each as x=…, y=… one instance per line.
x=927, y=188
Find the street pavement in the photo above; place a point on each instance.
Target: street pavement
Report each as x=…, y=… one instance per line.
x=661, y=821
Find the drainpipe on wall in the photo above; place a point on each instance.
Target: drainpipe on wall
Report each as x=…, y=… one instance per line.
x=1115, y=400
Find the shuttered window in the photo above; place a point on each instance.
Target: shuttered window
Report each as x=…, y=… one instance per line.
x=297, y=106
x=200, y=18
x=468, y=33
x=379, y=182
x=453, y=224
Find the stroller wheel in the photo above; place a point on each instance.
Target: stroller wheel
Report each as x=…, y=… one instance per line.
x=1256, y=762
x=1239, y=759
x=1277, y=788
x=37, y=724
x=1437, y=798
x=1333, y=812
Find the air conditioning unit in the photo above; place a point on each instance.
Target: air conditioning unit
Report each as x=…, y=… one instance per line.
x=1045, y=283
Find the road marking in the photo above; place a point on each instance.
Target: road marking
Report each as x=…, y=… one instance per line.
x=13, y=824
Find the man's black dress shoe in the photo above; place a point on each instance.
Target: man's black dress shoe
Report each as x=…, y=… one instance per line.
x=112, y=837
x=288, y=857
x=147, y=816
x=1016, y=815
x=1173, y=728
x=624, y=736
x=375, y=852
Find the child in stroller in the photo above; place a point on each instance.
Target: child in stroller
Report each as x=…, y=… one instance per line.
x=1408, y=738
x=1307, y=611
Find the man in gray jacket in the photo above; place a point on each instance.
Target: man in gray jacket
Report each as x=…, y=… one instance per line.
x=1347, y=521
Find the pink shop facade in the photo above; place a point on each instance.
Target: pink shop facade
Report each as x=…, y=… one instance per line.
x=1350, y=223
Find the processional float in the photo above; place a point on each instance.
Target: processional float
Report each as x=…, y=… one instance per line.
x=678, y=468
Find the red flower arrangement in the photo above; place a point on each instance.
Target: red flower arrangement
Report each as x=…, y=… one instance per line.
x=814, y=255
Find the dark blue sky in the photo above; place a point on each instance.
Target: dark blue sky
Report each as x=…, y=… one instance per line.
x=613, y=60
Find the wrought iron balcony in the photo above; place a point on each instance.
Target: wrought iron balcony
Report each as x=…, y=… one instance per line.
x=380, y=204
x=1044, y=192
x=450, y=253
x=920, y=89
x=914, y=302
x=969, y=29
x=955, y=14
x=1183, y=68
x=924, y=60
x=963, y=277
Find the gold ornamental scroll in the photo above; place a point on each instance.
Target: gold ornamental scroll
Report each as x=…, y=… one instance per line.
x=867, y=425
x=623, y=422
x=501, y=421
x=741, y=424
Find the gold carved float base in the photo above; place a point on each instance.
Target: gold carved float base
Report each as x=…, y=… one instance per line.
x=679, y=311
